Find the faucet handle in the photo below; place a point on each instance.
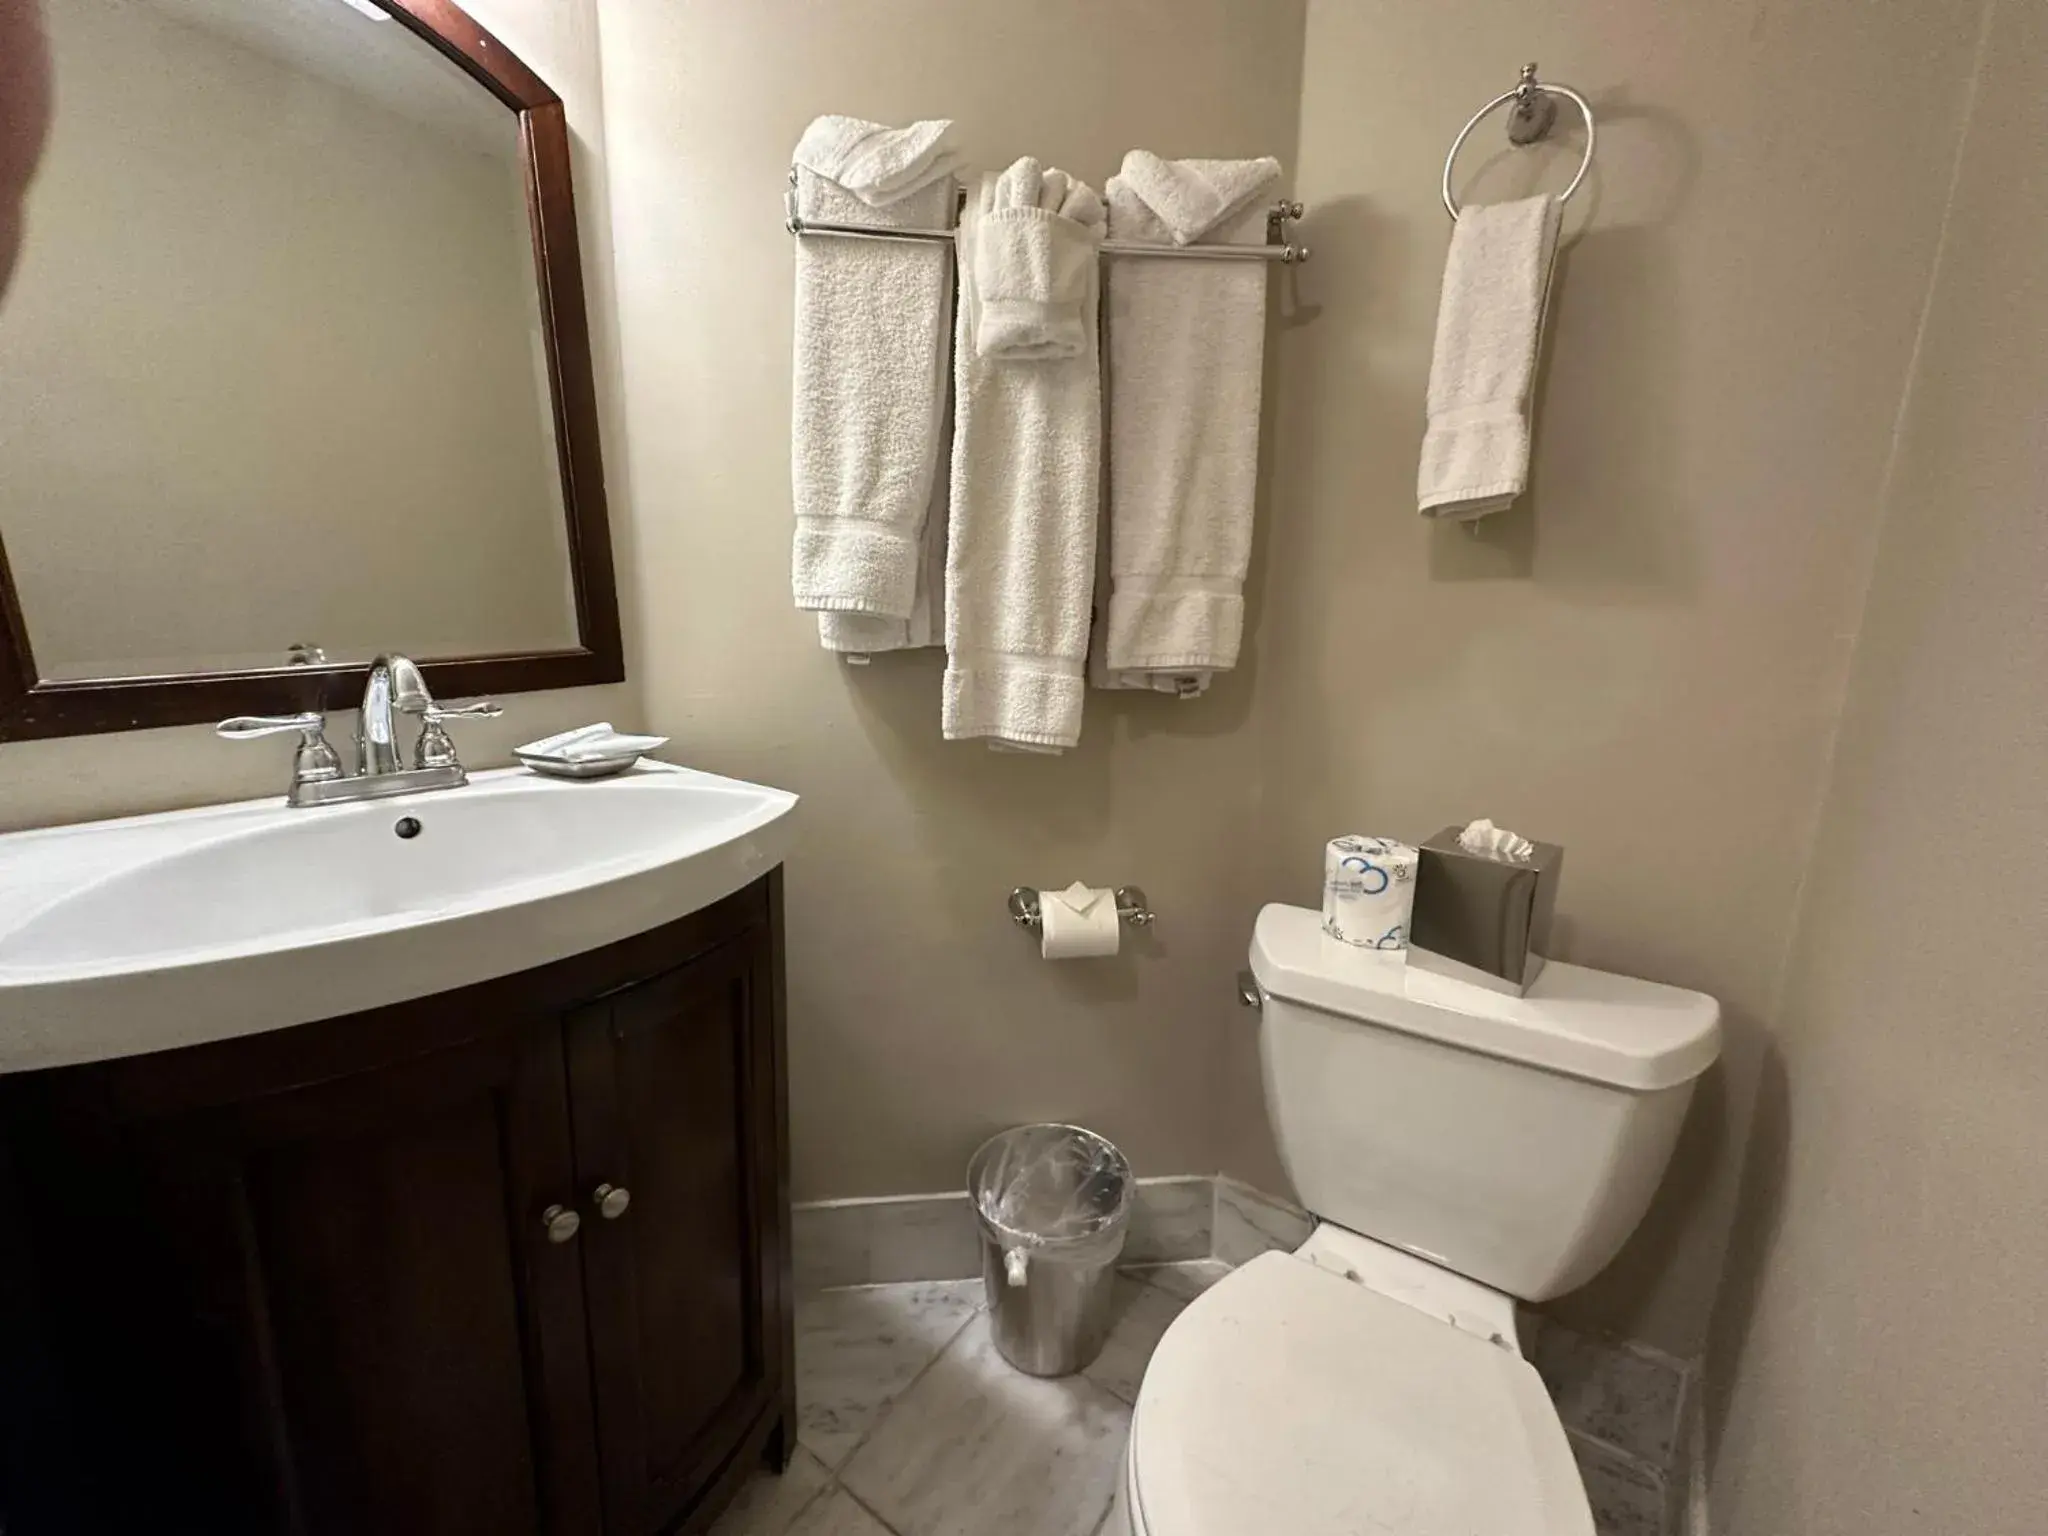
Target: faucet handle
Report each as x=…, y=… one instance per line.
x=249, y=727
x=435, y=750
x=483, y=709
x=315, y=762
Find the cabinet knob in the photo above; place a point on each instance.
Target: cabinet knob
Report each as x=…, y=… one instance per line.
x=561, y=1223
x=611, y=1200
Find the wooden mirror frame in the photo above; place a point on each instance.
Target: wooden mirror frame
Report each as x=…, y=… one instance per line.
x=33, y=707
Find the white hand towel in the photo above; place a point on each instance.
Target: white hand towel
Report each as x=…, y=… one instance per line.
x=1489, y=327
x=1186, y=358
x=1026, y=466
x=870, y=372
x=1034, y=270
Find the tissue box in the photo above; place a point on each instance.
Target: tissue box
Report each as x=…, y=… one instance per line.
x=1483, y=920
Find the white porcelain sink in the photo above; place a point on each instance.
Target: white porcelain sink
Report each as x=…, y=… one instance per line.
x=120, y=937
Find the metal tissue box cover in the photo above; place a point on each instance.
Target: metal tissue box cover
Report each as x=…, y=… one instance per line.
x=1489, y=916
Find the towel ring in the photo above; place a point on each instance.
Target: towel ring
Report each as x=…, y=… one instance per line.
x=1530, y=122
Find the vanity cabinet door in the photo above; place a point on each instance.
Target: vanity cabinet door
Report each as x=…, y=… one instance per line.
x=674, y=1090
x=365, y=1284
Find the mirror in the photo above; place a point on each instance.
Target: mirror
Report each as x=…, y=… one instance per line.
x=295, y=370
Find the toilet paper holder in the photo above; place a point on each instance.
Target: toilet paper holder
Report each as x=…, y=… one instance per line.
x=1131, y=907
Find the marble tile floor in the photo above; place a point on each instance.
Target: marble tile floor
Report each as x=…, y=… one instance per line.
x=913, y=1425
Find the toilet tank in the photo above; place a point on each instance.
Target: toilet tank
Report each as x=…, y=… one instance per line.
x=1516, y=1140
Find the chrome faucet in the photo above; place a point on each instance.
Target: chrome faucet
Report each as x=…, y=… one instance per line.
x=395, y=687
x=395, y=683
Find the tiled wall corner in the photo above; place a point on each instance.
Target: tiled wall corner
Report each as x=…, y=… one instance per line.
x=1623, y=1394
x=1629, y=1497
x=1249, y=1223
x=1628, y=1413
x=1172, y=1221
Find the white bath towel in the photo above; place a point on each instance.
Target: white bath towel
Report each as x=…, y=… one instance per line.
x=1026, y=463
x=1489, y=329
x=1186, y=355
x=868, y=634
x=872, y=350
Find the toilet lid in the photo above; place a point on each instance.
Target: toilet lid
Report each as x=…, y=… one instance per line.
x=1287, y=1398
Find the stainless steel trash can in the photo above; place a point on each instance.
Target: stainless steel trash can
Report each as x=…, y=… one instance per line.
x=1054, y=1203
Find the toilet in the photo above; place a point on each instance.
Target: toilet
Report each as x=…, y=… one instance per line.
x=1460, y=1149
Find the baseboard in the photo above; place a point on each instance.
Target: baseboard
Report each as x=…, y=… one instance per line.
x=1693, y=1516
x=934, y=1237
x=881, y=1241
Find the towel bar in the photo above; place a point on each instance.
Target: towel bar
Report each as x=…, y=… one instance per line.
x=1278, y=247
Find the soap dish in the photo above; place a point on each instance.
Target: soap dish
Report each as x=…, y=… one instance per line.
x=594, y=752
x=578, y=767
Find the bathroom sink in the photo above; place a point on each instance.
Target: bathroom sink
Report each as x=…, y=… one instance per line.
x=121, y=937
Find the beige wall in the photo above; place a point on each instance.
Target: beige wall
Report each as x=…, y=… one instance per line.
x=46, y=782
x=921, y=1020
x=1645, y=659
x=1880, y=1361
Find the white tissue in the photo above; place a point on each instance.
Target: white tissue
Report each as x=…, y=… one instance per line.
x=1078, y=923
x=1490, y=842
x=1368, y=891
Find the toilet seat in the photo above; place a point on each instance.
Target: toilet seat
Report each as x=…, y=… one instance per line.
x=1287, y=1398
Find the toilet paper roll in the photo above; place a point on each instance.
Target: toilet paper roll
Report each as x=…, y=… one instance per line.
x=1078, y=923
x=1368, y=891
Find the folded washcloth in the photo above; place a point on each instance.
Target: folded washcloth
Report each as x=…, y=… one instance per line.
x=1026, y=465
x=870, y=374
x=877, y=164
x=1189, y=198
x=1489, y=327
x=1186, y=358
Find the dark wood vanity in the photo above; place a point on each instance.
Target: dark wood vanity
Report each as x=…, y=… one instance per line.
x=512, y=1259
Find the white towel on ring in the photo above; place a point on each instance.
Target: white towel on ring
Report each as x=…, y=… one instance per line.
x=1027, y=441
x=871, y=355
x=1482, y=376
x=1186, y=358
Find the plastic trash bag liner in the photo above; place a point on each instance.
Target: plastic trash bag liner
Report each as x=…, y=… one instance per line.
x=1053, y=1191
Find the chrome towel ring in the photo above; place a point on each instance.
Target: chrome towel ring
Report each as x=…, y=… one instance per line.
x=1534, y=114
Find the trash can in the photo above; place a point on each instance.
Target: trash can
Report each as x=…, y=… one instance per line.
x=1054, y=1203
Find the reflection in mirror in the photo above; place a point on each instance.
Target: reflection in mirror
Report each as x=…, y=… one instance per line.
x=273, y=373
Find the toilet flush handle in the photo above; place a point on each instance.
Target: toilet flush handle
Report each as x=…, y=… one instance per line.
x=1248, y=990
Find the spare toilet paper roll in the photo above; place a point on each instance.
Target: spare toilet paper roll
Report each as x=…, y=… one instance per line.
x=1078, y=922
x=1368, y=891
